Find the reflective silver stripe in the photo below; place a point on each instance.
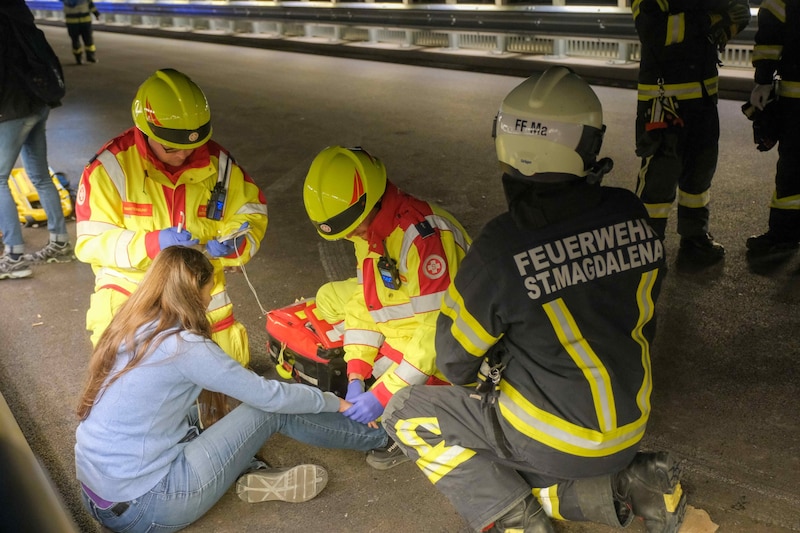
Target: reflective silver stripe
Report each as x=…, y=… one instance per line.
x=92, y=228
x=694, y=200
x=122, y=257
x=437, y=222
x=587, y=361
x=463, y=327
x=363, y=337
x=219, y=301
x=381, y=365
x=787, y=202
x=763, y=52
x=252, y=208
x=359, y=275
x=106, y=272
x=644, y=299
x=675, y=29
x=776, y=7
x=428, y=302
x=395, y=312
x=115, y=172
x=410, y=374
x=789, y=89
x=540, y=426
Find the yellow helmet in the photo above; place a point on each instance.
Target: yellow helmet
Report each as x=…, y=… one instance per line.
x=550, y=123
x=341, y=188
x=170, y=108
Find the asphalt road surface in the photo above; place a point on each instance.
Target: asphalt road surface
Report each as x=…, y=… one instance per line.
x=725, y=361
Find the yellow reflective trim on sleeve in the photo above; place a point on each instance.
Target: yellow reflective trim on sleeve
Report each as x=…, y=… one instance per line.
x=776, y=7
x=548, y=498
x=694, y=200
x=466, y=329
x=676, y=29
x=575, y=344
x=787, y=202
x=644, y=300
x=767, y=52
x=789, y=89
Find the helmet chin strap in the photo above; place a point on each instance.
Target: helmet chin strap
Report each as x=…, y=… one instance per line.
x=599, y=169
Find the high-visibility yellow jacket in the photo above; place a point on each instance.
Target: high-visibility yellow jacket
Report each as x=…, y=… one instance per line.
x=126, y=196
x=428, y=244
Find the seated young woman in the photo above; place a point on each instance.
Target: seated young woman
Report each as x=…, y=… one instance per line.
x=141, y=459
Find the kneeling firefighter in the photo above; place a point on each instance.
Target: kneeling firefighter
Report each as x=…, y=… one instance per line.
x=546, y=333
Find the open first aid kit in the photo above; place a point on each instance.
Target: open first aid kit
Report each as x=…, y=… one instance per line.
x=305, y=347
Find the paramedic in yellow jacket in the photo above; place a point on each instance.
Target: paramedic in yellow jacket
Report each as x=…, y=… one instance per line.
x=407, y=252
x=165, y=183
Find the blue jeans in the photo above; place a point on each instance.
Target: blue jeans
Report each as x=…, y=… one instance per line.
x=27, y=136
x=214, y=460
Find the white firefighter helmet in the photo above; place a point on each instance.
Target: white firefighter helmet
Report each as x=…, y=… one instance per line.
x=551, y=124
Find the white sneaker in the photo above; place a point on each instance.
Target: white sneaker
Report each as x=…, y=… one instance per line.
x=295, y=484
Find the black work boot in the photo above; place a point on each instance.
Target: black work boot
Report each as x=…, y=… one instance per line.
x=650, y=486
x=771, y=245
x=90, y=57
x=525, y=517
x=79, y=58
x=701, y=249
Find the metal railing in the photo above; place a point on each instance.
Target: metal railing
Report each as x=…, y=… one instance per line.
x=605, y=34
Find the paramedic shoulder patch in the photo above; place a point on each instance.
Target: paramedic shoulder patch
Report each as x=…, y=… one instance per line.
x=434, y=266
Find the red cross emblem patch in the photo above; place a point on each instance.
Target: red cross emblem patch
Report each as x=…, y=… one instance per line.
x=434, y=267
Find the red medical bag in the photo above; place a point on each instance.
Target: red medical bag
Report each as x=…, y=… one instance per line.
x=306, y=347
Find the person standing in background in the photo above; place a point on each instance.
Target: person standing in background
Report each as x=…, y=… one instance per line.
x=23, y=119
x=78, y=16
x=777, y=53
x=677, y=121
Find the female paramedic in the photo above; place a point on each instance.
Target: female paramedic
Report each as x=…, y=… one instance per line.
x=142, y=463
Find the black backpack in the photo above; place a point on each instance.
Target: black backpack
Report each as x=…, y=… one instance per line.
x=41, y=71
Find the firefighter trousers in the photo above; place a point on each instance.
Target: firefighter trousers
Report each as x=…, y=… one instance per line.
x=450, y=433
x=678, y=161
x=784, y=213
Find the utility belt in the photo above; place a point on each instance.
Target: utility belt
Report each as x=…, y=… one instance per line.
x=104, y=505
x=680, y=91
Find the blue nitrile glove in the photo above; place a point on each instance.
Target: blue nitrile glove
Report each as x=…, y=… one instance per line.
x=170, y=237
x=220, y=249
x=366, y=408
x=354, y=388
x=223, y=249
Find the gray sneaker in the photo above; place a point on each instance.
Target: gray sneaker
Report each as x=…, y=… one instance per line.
x=14, y=268
x=296, y=484
x=54, y=252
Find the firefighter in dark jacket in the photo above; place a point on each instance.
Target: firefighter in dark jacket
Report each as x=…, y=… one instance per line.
x=777, y=53
x=547, y=330
x=78, y=17
x=677, y=123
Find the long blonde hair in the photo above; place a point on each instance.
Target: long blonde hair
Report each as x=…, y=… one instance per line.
x=168, y=296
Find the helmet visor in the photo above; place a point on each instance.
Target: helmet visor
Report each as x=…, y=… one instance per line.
x=181, y=137
x=344, y=222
